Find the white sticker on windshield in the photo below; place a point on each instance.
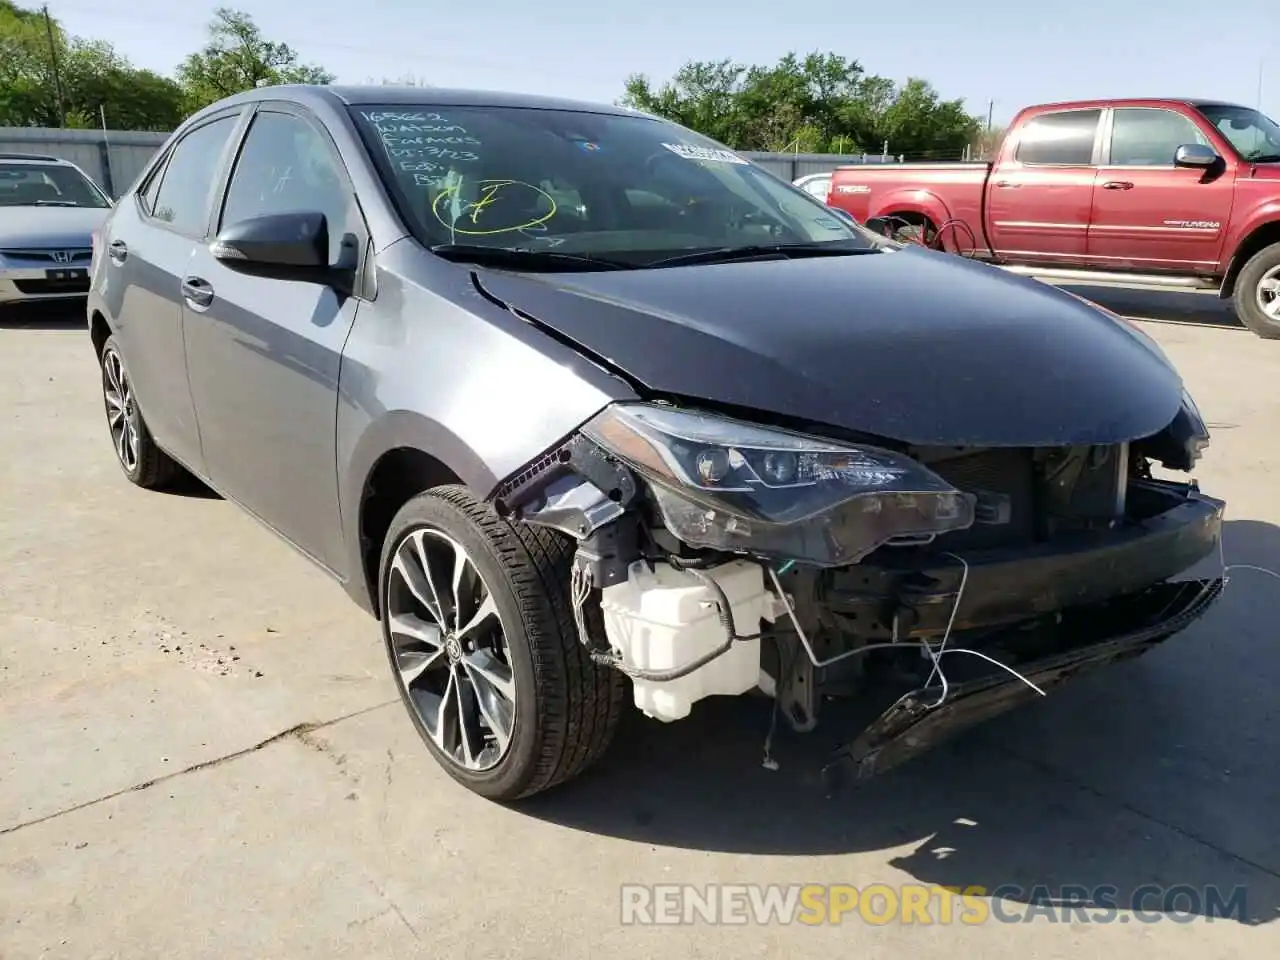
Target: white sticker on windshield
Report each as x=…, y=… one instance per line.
x=691, y=152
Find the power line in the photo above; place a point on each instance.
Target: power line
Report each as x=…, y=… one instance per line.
x=57, y=73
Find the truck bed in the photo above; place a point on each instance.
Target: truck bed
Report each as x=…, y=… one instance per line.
x=958, y=189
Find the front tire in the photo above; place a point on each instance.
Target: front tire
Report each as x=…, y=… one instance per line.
x=1257, y=293
x=480, y=635
x=142, y=461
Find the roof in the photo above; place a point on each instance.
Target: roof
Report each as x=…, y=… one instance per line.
x=33, y=158
x=1122, y=101
x=443, y=96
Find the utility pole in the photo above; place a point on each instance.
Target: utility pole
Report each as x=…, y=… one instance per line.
x=53, y=59
x=991, y=109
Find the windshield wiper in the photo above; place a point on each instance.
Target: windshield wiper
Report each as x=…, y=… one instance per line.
x=55, y=203
x=1265, y=158
x=523, y=258
x=826, y=248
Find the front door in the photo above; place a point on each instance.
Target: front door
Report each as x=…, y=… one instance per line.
x=264, y=354
x=1149, y=214
x=1039, y=197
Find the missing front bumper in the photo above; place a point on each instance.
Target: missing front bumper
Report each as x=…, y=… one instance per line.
x=1129, y=627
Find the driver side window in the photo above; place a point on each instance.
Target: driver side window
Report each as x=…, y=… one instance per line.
x=1146, y=137
x=286, y=166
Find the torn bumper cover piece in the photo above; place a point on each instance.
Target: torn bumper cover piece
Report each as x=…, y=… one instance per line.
x=1082, y=638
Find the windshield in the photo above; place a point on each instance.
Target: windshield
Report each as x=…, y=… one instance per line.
x=1253, y=134
x=629, y=188
x=46, y=185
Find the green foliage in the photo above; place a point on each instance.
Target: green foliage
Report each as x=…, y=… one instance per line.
x=236, y=58
x=822, y=102
x=95, y=80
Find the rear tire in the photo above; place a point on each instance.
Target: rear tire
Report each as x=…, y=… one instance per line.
x=143, y=462
x=1257, y=293
x=563, y=709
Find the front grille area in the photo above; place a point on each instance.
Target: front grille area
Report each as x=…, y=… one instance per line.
x=1000, y=474
x=52, y=286
x=49, y=255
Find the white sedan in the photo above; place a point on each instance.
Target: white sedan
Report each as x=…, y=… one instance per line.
x=818, y=184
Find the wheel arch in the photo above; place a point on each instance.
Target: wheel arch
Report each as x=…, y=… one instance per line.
x=1261, y=237
x=396, y=458
x=99, y=331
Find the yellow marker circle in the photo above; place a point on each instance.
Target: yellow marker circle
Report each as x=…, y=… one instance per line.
x=489, y=190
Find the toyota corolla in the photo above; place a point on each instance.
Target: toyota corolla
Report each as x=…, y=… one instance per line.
x=588, y=410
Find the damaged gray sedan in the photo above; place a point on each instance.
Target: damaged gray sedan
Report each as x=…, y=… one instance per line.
x=590, y=411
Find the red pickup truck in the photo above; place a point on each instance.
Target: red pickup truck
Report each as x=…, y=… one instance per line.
x=1164, y=194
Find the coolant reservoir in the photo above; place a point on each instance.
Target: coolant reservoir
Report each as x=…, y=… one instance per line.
x=664, y=618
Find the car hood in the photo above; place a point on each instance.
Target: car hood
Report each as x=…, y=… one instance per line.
x=48, y=226
x=912, y=345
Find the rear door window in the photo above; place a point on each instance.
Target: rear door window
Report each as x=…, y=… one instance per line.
x=1062, y=139
x=182, y=202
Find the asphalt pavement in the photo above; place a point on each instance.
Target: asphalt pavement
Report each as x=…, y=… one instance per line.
x=202, y=755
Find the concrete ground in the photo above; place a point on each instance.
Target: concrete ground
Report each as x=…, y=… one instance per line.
x=200, y=755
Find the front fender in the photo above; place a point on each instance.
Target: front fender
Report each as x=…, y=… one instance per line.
x=435, y=367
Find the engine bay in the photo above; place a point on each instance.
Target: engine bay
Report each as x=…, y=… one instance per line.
x=1018, y=557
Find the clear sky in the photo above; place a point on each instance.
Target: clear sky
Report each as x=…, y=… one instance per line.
x=1015, y=53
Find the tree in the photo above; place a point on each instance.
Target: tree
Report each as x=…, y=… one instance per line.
x=94, y=80
x=822, y=102
x=406, y=80
x=237, y=57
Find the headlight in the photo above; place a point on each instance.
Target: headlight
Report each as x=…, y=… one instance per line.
x=733, y=486
x=1198, y=433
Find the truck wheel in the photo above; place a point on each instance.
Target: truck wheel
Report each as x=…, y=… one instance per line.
x=480, y=634
x=142, y=461
x=1257, y=294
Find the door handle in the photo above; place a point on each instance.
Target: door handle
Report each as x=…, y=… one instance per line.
x=197, y=292
x=1117, y=185
x=118, y=251
x=1007, y=183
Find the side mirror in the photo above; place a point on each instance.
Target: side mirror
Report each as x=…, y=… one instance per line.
x=283, y=246
x=1195, y=155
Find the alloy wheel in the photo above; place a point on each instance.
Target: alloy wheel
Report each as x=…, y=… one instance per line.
x=450, y=650
x=1268, y=293
x=122, y=410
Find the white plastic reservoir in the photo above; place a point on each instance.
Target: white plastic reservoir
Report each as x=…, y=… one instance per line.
x=664, y=618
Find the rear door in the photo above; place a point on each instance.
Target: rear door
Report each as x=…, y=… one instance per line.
x=1149, y=214
x=264, y=354
x=148, y=245
x=1040, y=194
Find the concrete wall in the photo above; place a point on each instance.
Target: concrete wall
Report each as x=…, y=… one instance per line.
x=115, y=158
x=792, y=166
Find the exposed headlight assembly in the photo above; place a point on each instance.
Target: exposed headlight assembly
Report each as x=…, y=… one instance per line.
x=733, y=486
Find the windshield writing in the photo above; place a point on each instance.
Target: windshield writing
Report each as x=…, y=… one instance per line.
x=627, y=187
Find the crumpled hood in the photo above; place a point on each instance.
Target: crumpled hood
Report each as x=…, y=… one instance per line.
x=48, y=226
x=912, y=345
